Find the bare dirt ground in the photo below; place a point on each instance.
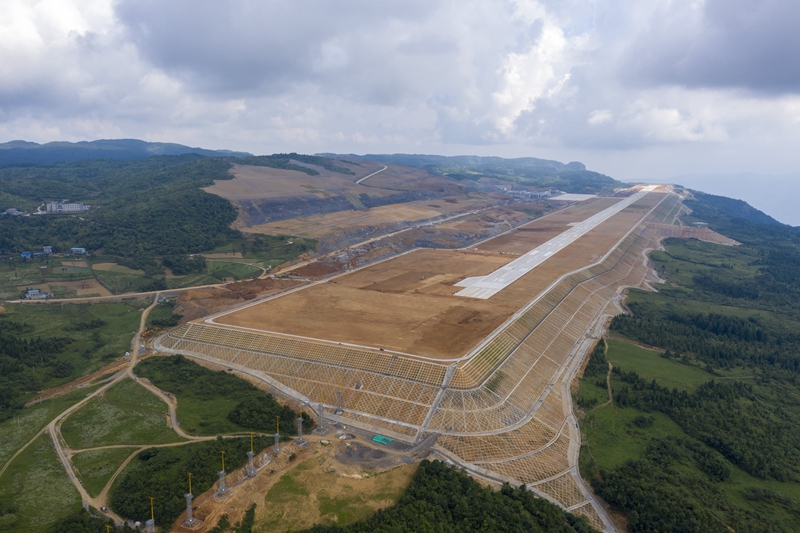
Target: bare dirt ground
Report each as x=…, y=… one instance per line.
x=321, y=484
x=321, y=225
x=83, y=264
x=408, y=305
x=197, y=303
x=252, y=182
x=43, y=287
x=263, y=182
x=265, y=195
x=527, y=237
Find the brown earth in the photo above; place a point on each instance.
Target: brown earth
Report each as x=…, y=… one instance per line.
x=407, y=304
x=83, y=288
x=263, y=182
x=196, y=303
x=252, y=186
x=318, y=479
x=320, y=225
x=252, y=182
x=75, y=264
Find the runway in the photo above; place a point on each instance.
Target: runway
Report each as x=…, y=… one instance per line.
x=484, y=287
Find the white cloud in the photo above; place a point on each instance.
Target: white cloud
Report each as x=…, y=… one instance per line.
x=600, y=116
x=591, y=80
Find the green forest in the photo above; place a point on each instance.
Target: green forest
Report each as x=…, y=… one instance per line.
x=212, y=402
x=141, y=210
x=713, y=453
x=46, y=346
x=162, y=473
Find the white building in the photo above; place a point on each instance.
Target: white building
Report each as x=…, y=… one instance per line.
x=61, y=207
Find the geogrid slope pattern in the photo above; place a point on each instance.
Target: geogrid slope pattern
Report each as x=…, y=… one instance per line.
x=515, y=423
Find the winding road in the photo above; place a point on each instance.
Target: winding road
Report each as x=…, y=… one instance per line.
x=370, y=175
x=65, y=454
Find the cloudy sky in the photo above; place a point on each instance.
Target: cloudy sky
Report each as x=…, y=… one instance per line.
x=637, y=90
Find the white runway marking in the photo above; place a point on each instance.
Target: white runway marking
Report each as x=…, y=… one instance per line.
x=484, y=287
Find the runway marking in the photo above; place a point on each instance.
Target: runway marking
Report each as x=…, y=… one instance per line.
x=484, y=287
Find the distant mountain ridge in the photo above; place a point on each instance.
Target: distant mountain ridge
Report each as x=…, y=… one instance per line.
x=25, y=153
x=527, y=171
x=467, y=161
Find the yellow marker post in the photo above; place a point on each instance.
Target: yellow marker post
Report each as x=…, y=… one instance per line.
x=190, y=482
x=251, y=442
x=277, y=424
x=152, y=511
x=223, y=460
x=108, y=528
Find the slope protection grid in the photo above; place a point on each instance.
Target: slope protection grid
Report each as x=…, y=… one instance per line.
x=504, y=414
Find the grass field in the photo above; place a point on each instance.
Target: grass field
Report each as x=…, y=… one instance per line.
x=122, y=282
x=650, y=364
x=198, y=413
x=162, y=315
x=96, y=467
x=17, y=275
x=126, y=414
x=307, y=496
x=612, y=437
x=99, y=333
x=208, y=401
x=686, y=258
x=35, y=491
x=14, y=274
x=119, y=279
x=17, y=431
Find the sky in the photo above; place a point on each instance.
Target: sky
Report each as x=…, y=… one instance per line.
x=636, y=90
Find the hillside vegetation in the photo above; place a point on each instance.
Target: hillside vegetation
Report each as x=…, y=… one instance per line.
x=701, y=435
x=47, y=346
x=22, y=153
x=210, y=403
x=141, y=210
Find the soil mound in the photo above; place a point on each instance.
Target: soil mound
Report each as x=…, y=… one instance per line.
x=198, y=303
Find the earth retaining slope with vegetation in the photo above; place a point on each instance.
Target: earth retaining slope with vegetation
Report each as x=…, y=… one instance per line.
x=701, y=435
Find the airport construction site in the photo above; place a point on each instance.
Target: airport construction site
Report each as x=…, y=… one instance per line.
x=470, y=351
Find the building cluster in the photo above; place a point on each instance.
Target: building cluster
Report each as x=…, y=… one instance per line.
x=59, y=208
x=48, y=250
x=63, y=207
x=36, y=294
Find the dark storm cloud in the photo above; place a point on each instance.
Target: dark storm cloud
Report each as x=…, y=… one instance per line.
x=749, y=44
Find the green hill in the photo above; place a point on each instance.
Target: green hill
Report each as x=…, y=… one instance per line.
x=24, y=153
